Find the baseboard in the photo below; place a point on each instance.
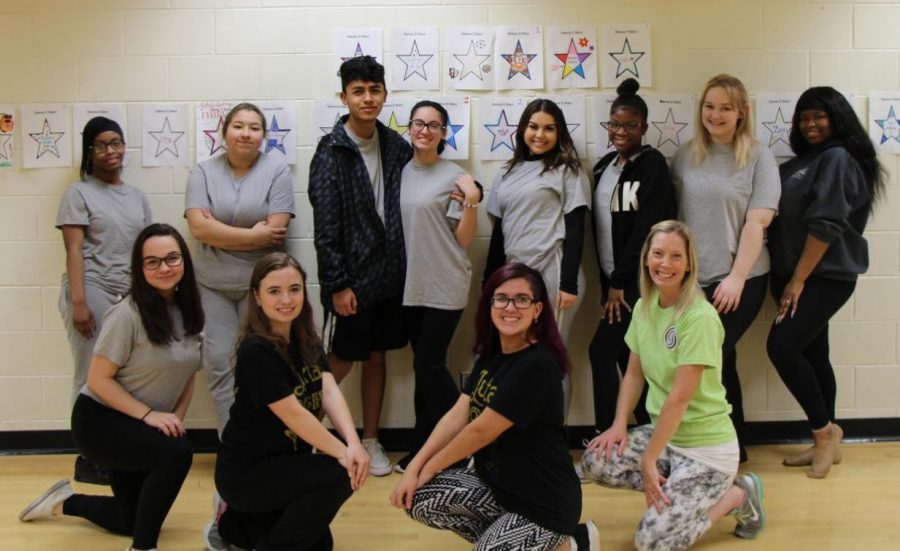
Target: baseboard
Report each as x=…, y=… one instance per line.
x=757, y=432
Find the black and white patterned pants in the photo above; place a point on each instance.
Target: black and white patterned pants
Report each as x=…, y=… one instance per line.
x=691, y=486
x=459, y=501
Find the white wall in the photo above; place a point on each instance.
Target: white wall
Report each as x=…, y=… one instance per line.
x=188, y=50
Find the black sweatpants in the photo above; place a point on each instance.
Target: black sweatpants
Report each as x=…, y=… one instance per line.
x=282, y=501
x=146, y=471
x=798, y=346
x=430, y=332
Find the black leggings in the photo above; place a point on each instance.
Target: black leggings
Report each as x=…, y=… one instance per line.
x=736, y=324
x=430, y=333
x=609, y=356
x=798, y=346
x=282, y=501
x=146, y=471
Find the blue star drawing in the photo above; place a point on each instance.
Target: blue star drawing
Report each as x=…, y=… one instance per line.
x=518, y=62
x=4, y=139
x=415, y=62
x=357, y=53
x=779, y=129
x=326, y=130
x=573, y=60
x=471, y=62
x=46, y=140
x=669, y=129
x=626, y=60
x=275, y=136
x=452, y=131
x=503, y=133
x=890, y=127
x=166, y=139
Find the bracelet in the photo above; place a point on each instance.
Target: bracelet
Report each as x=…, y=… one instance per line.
x=149, y=411
x=469, y=205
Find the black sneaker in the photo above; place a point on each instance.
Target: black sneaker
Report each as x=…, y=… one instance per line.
x=587, y=537
x=88, y=473
x=403, y=462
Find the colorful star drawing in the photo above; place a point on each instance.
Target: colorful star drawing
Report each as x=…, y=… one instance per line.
x=356, y=53
x=626, y=60
x=452, y=131
x=4, y=139
x=46, y=140
x=395, y=125
x=779, y=129
x=166, y=139
x=275, y=136
x=214, y=136
x=471, y=62
x=415, y=62
x=518, y=62
x=669, y=129
x=890, y=127
x=504, y=134
x=573, y=60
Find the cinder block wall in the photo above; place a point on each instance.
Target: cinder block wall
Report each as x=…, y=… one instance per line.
x=188, y=50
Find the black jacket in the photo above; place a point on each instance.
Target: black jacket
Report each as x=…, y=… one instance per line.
x=354, y=248
x=643, y=196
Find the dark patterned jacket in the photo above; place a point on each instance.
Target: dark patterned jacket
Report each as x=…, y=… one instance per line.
x=354, y=248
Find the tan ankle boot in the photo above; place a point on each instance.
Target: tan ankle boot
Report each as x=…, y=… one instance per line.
x=825, y=450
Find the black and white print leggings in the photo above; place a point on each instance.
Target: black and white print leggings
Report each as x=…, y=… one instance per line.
x=459, y=501
x=691, y=486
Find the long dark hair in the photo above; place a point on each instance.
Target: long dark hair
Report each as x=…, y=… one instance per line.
x=544, y=329
x=846, y=129
x=563, y=154
x=152, y=307
x=303, y=329
x=445, y=119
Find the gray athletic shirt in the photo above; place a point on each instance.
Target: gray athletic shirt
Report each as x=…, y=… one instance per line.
x=112, y=216
x=370, y=150
x=532, y=206
x=240, y=202
x=713, y=199
x=603, y=217
x=153, y=374
x=438, y=270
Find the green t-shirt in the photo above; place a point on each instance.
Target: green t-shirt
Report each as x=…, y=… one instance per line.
x=663, y=344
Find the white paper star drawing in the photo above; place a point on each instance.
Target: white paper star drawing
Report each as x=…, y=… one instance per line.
x=46, y=140
x=626, y=60
x=166, y=139
x=275, y=136
x=4, y=139
x=503, y=133
x=326, y=130
x=779, y=129
x=214, y=135
x=890, y=127
x=415, y=62
x=669, y=129
x=471, y=62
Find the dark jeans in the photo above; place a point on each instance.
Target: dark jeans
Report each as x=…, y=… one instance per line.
x=609, y=356
x=146, y=471
x=736, y=324
x=430, y=332
x=281, y=502
x=798, y=346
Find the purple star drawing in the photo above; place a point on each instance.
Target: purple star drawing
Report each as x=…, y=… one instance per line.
x=504, y=134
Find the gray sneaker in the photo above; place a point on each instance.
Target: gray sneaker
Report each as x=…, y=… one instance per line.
x=43, y=506
x=379, y=464
x=751, y=515
x=211, y=537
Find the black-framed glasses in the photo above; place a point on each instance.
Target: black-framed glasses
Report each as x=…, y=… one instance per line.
x=419, y=124
x=103, y=147
x=521, y=302
x=154, y=262
x=615, y=126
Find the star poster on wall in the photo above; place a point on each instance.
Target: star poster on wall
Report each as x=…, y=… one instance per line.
x=602, y=103
x=210, y=120
x=670, y=121
x=470, y=58
x=281, y=129
x=572, y=107
x=773, y=122
x=355, y=42
x=571, y=57
x=326, y=113
x=459, y=109
x=519, y=58
x=414, y=60
x=7, y=127
x=395, y=114
x=499, y=118
x=46, y=136
x=164, y=135
x=884, y=121
x=83, y=112
x=626, y=54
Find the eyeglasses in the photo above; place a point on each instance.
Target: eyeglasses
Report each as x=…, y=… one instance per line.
x=615, y=126
x=521, y=302
x=103, y=147
x=154, y=262
x=419, y=124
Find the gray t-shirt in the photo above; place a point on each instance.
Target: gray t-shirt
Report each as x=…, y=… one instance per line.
x=240, y=202
x=532, y=206
x=112, y=216
x=603, y=217
x=713, y=199
x=154, y=374
x=370, y=150
x=438, y=270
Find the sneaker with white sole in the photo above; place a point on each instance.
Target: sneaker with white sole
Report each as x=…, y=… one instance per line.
x=586, y=538
x=211, y=537
x=43, y=506
x=751, y=515
x=379, y=464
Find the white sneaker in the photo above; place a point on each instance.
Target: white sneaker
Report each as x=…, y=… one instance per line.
x=379, y=464
x=43, y=506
